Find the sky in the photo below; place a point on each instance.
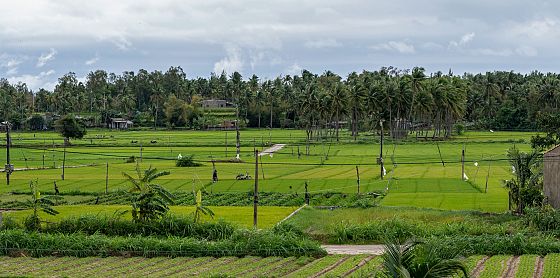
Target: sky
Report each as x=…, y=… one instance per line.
x=41, y=40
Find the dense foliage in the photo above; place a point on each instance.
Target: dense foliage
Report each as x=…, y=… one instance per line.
x=405, y=99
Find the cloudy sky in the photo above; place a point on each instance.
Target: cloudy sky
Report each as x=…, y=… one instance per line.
x=41, y=40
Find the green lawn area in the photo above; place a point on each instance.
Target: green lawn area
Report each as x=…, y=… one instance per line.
x=243, y=216
x=415, y=174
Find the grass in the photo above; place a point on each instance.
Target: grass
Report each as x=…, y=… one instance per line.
x=419, y=179
x=354, y=225
x=243, y=216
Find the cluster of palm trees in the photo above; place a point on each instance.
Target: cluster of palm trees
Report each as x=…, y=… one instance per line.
x=406, y=100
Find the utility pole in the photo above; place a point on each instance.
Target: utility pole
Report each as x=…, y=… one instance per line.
x=226, y=145
x=256, y=193
x=64, y=161
x=358, y=175
x=107, y=179
x=9, y=167
x=463, y=164
x=487, y=176
x=306, y=194
x=381, y=150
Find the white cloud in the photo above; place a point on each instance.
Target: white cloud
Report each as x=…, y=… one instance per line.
x=46, y=57
x=492, y=52
x=233, y=62
x=294, y=69
x=466, y=38
x=399, y=46
x=536, y=28
x=35, y=82
x=526, y=51
x=326, y=43
x=12, y=71
x=92, y=61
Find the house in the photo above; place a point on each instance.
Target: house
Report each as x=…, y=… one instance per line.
x=120, y=123
x=216, y=103
x=551, y=187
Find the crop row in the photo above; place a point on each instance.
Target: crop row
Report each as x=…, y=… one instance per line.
x=329, y=266
x=246, y=199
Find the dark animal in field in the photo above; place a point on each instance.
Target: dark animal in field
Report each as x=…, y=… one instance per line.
x=153, y=141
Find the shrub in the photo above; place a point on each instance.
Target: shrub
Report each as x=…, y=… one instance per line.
x=242, y=243
x=187, y=161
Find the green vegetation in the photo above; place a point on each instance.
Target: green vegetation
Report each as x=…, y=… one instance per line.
x=494, y=267
x=419, y=178
x=243, y=216
x=150, y=201
x=526, y=266
x=241, y=243
x=551, y=266
x=247, y=266
x=355, y=225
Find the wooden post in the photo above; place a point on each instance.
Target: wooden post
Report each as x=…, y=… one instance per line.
x=256, y=193
x=358, y=176
x=107, y=179
x=64, y=162
x=226, y=146
x=487, y=176
x=141, y=148
x=8, y=143
x=43, y=161
x=306, y=194
x=463, y=164
x=381, y=150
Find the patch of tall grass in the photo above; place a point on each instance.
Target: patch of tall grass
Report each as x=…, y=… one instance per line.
x=167, y=226
x=241, y=243
x=398, y=228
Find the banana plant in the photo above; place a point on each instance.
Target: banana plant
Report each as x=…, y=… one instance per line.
x=200, y=209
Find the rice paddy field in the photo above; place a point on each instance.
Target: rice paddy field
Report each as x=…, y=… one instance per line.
x=241, y=216
x=418, y=173
x=526, y=266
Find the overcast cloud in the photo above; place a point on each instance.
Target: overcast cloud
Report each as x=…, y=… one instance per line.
x=40, y=40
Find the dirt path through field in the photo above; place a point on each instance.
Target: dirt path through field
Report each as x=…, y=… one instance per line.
x=273, y=149
x=354, y=249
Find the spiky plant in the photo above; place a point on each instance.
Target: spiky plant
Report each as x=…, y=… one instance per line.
x=411, y=260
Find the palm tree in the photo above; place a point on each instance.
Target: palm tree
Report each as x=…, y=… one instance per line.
x=413, y=260
x=357, y=95
x=525, y=189
x=150, y=201
x=339, y=102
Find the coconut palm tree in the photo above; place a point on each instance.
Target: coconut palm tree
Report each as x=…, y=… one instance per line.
x=339, y=101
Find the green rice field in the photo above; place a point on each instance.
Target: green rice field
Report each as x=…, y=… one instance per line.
x=525, y=266
x=415, y=173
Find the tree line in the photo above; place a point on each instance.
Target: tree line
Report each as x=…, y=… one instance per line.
x=406, y=101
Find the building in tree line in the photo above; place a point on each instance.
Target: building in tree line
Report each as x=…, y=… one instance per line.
x=216, y=103
x=120, y=123
x=551, y=169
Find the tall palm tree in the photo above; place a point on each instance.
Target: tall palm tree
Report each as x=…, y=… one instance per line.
x=339, y=103
x=357, y=95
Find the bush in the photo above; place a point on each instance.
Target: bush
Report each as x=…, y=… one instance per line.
x=187, y=161
x=544, y=219
x=166, y=226
x=242, y=243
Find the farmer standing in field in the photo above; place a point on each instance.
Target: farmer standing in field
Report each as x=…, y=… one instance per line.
x=214, y=175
